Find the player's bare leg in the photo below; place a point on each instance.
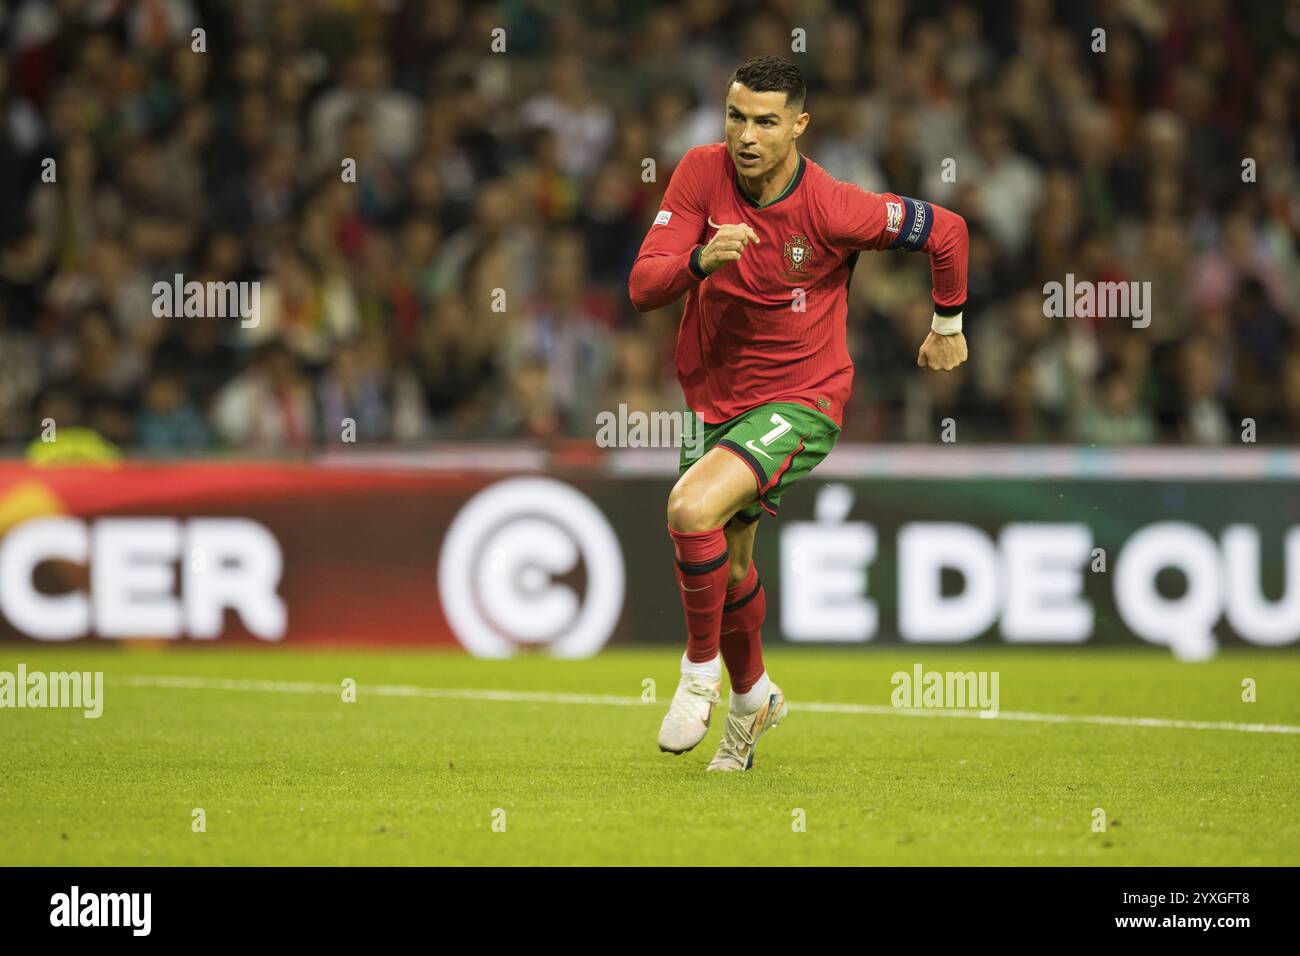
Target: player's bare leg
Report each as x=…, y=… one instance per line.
x=740, y=545
x=711, y=491
x=700, y=505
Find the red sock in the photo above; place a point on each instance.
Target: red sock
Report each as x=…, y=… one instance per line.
x=741, y=640
x=702, y=567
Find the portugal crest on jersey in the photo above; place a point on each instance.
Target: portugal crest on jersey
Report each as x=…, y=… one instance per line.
x=797, y=252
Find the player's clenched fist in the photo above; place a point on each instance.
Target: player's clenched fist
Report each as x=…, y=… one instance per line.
x=727, y=245
x=942, y=352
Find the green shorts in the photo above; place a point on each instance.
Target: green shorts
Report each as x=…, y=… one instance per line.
x=779, y=442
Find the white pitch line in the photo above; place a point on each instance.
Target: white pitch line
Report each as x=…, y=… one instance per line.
x=379, y=690
x=542, y=697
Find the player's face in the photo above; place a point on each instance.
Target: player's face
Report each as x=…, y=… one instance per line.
x=761, y=129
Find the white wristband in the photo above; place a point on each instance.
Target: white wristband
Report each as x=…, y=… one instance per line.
x=946, y=324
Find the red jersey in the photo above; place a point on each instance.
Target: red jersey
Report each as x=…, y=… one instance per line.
x=743, y=340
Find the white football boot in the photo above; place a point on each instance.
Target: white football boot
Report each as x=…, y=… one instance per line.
x=740, y=736
x=687, y=720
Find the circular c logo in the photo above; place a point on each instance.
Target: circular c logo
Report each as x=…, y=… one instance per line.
x=500, y=570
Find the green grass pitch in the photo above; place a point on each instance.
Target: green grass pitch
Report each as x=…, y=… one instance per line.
x=295, y=775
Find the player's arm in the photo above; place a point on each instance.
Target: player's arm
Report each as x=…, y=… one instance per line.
x=887, y=221
x=668, y=264
x=674, y=256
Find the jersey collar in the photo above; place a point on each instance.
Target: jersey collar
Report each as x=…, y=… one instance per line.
x=794, y=182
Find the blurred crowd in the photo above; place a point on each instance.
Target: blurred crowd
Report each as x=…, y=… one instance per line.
x=472, y=281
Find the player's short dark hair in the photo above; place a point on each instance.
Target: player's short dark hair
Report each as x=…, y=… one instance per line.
x=772, y=74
